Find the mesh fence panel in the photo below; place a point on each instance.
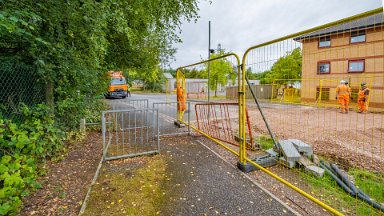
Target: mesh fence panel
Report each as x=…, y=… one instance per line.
x=19, y=84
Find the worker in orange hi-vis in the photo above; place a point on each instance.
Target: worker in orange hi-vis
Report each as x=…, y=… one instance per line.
x=181, y=100
x=363, y=98
x=350, y=95
x=342, y=95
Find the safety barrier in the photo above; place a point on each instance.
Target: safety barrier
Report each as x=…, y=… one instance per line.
x=312, y=64
x=168, y=115
x=130, y=133
x=309, y=66
x=128, y=102
x=220, y=124
x=232, y=62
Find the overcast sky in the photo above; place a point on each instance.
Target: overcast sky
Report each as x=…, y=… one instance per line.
x=239, y=24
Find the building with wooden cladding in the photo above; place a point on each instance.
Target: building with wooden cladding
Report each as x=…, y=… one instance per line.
x=352, y=51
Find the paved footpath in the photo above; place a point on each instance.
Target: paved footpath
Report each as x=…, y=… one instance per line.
x=204, y=184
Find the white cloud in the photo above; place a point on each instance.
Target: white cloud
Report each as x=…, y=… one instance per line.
x=239, y=24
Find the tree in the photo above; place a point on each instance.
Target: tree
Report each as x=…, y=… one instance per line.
x=73, y=43
x=287, y=67
x=250, y=75
x=195, y=74
x=220, y=71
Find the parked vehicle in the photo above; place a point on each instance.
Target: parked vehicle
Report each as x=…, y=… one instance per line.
x=118, y=85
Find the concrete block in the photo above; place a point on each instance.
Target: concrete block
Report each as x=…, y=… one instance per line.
x=302, y=147
x=289, y=164
x=315, y=170
x=316, y=160
x=289, y=151
x=272, y=152
x=265, y=160
x=305, y=162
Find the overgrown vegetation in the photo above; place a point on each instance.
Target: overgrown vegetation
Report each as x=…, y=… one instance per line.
x=327, y=189
x=69, y=46
x=73, y=43
x=22, y=147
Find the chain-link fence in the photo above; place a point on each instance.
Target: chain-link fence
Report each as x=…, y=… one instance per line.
x=19, y=84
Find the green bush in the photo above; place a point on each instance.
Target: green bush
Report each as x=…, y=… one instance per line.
x=69, y=111
x=22, y=147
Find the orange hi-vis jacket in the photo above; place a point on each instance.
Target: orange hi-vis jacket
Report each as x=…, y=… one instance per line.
x=343, y=94
x=343, y=90
x=181, y=100
x=362, y=93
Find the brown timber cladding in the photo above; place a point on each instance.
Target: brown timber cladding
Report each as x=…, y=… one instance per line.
x=339, y=54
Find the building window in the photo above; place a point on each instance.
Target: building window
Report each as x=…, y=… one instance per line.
x=358, y=37
x=323, y=68
x=356, y=66
x=325, y=41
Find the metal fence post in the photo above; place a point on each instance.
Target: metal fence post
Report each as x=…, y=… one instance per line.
x=189, y=117
x=158, y=131
x=320, y=91
x=103, y=129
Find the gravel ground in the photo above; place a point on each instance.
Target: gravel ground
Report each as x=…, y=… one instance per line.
x=352, y=139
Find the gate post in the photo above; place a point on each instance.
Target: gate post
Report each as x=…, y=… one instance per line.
x=103, y=131
x=241, y=94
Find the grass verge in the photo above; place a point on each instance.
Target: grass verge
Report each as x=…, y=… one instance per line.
x=332, y=194
x=136, y=192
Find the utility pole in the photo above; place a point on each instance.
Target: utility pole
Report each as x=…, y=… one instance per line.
x=209, y=56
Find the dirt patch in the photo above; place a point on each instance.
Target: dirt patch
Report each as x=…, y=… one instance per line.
x=65, y=184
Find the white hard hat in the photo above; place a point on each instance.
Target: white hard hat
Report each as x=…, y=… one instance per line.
x=342, y=81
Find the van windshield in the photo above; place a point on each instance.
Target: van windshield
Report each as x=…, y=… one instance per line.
x=118, y=81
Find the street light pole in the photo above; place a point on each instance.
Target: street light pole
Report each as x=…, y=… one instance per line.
x=209, y=57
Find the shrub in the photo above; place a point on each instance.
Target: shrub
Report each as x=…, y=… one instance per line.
x=22, y=147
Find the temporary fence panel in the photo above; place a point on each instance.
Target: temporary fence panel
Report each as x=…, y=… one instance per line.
x=221, y=121
x=306, y=69
x=218, y=69
x=262, y=91
x=196, y=88
x=129, y=133
x=168, y=116
x=137, y=103
x=129, y=104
